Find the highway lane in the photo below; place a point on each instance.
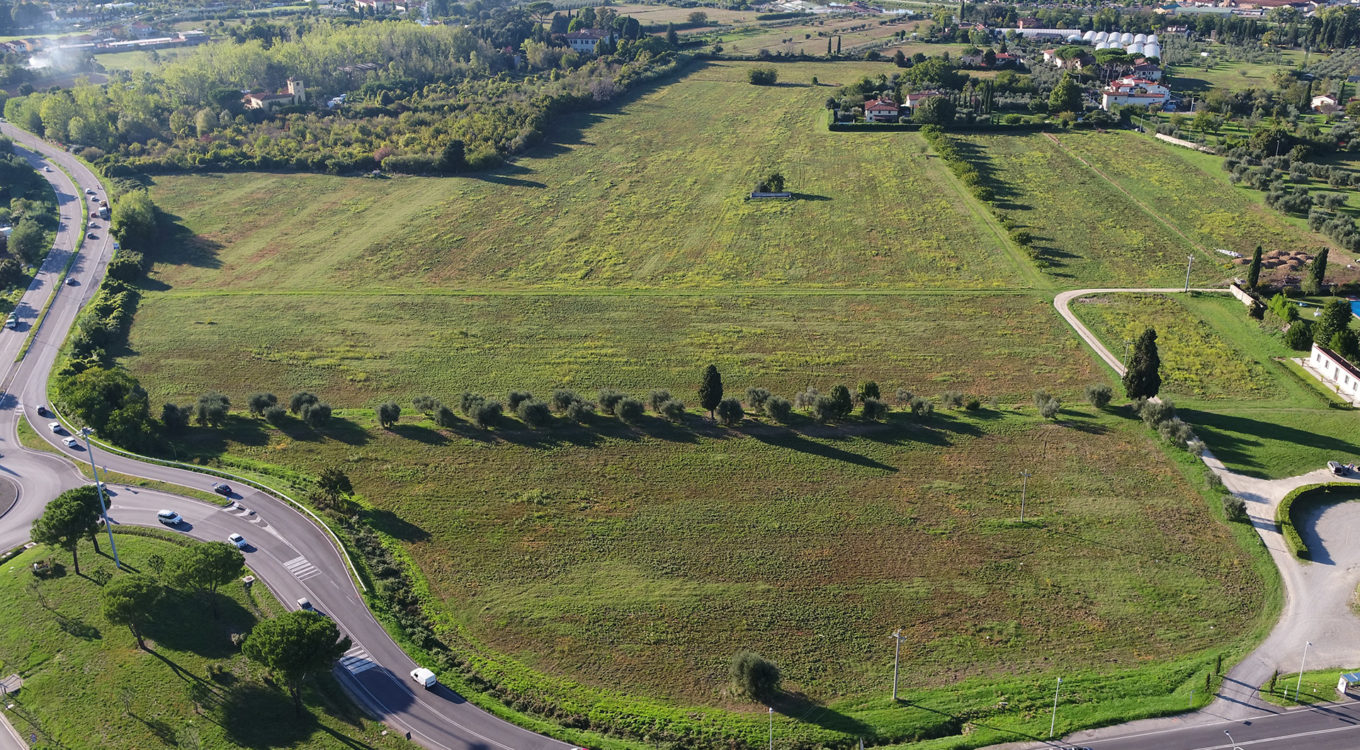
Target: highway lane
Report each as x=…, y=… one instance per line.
x=292, y=555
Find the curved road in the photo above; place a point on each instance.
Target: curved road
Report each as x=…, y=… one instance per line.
x=1316, y=610
x=288, y=552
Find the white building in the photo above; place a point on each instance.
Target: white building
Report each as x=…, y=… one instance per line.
x=1334, y=371
x=586, y=39
x=1137, y=91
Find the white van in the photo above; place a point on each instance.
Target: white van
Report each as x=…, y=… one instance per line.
x=425, y=677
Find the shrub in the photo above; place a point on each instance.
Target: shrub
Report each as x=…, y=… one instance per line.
x=1099, y=395
x=1042, y=397
x=754, y=675
x=1153, y=413
x=468, y=403
x=903, y=397
x=951, y=399
x=921, y=407
x=444, y=417
x=258, y=402
x=844, y=401
x=778, y=408
x=867, y=390
x=300, y=399
x=756, y=398
x=825, y=409
x=1234, y=508
x=176, y=418
x=973, y=404
x=211, y=409
x=1049, y=409
x=424, y=404
x=487, y=414
x=630, y=410
x=274, y=415
x=388, y=414
x=657, y=398
x=729, y=412
x=318, y=414
x=580, y=411
x=609, y=399
x=806, y=399
x=1176, y=432
x=874, y=410
x=515, y=398
x=536, y=414
x=762, y=76
x=562, y=399
x=1299, y=337
x=672, y=410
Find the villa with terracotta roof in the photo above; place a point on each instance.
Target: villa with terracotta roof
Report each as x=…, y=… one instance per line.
x=1137, y=91
x=881, y=110
x=295, y=95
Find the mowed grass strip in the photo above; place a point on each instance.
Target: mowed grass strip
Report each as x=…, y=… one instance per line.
x=640, y=559
x=87, y=685
x=361, y=350
x=649, y=194
x=1090, y=231
x=1192, y=193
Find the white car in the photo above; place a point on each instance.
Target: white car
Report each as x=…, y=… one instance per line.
x=55, y=427
x=1338, y=468
x=71, y=442
x=169, y=517
x=237, y=540
x=304, y=603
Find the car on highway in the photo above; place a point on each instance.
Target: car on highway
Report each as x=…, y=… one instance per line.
x=1338, y=468
x=71, y=442
x=42, y=410
x=237, y=540
x=47, y=168
x=89, y=191
x=169, y=517
x=222, y=488
x=71, y=281
x=304, y=603
x=91, y=236
x=11, y=322
x=94, y=225
x=56, y=428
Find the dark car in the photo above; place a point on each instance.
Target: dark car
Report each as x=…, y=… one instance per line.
x=221, y=489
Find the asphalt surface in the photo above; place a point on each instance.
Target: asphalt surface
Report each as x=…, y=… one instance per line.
x=287, y=551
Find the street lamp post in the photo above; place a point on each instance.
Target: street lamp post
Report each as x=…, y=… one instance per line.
x=1232, y=741
x=1189, y=260
x=1299, y=684
x=771, y=727
x=897, y=652
x=1024, y=485
x=103, y=502
x=1053, y=722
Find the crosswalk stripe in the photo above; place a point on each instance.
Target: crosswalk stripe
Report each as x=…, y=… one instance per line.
x=357, y=660
x=301, y=569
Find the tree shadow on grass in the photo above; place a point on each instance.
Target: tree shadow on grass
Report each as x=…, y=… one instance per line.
x=794, y=441
x=419, y=433
x=178, y=245
x=389, y=523
x=182, y=622
x=259, y=717
x=1234, y=439
x=162, y=730
x=799, y=707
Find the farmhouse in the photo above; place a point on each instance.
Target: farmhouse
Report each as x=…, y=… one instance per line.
x=914, y=100
x=1147, y=71
x=586, y=39
x=1136, y=91
x=881, y=110
x=295, y=95
x=1333, y=370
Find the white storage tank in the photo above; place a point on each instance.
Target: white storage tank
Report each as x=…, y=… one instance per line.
x=1151, y=38
x=1101, y=36
x=1126, y=38
x=1089, y=36
x=1134, y=49
x=1152, y=49
x=1139, y=38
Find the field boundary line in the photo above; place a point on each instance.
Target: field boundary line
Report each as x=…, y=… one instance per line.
x=1129, y=195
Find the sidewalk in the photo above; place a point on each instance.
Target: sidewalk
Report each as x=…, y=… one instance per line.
x=9, y=736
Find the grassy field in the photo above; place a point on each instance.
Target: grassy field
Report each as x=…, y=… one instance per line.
x=1316, y=688
x=1089, y=230
x=1230, y=76
x=138, y=61
x=87, y=685
x=358, y=349
x=810, y=38
x=646, y=195
x=1258, y=413
x=1191, y=192
x=637, y=560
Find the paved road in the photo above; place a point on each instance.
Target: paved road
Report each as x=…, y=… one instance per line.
x=288, y=552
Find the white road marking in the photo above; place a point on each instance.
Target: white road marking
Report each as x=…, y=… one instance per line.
x=301, y=569
x=357, y=660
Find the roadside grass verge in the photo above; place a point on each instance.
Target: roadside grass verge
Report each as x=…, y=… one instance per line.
x=1318, y=688
x=86, y=684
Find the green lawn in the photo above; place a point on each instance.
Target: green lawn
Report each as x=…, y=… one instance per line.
x=139, y=61
x=87, y=685
x=1227, y=374
x=1230, y=76
x=1316, y=688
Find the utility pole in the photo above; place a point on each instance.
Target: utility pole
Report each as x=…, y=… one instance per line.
x=1054, y=721
x=1127, y=344
x=1190, y=259
x=103, y=502
x=897, y=652
x=1299, y=684
x=1024, y=485
x=771, y=727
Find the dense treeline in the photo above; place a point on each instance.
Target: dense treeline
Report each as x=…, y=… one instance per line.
x=30, y=207
x=418, y=99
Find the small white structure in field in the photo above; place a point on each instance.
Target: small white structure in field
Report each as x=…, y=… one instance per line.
x=1347, y=681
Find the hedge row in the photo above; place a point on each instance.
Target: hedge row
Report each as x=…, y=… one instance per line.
x=1300, y=498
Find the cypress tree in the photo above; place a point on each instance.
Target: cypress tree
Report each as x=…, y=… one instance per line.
x=838, y=44
x=1254, y=273
x=1144, y=378
x=1316, y=272
x=828, y=46
x=711, y=390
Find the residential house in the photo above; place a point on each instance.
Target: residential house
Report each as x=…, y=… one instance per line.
x=586, y=39
x=376, y=6
x=881, y=110
x=1147, y=71
x=1324, y=103
x=1028, y=22
x=295, y=95
x=1333, y=370
x=1137, y=91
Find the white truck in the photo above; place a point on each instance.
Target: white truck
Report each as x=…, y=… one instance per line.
x=424, y=677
